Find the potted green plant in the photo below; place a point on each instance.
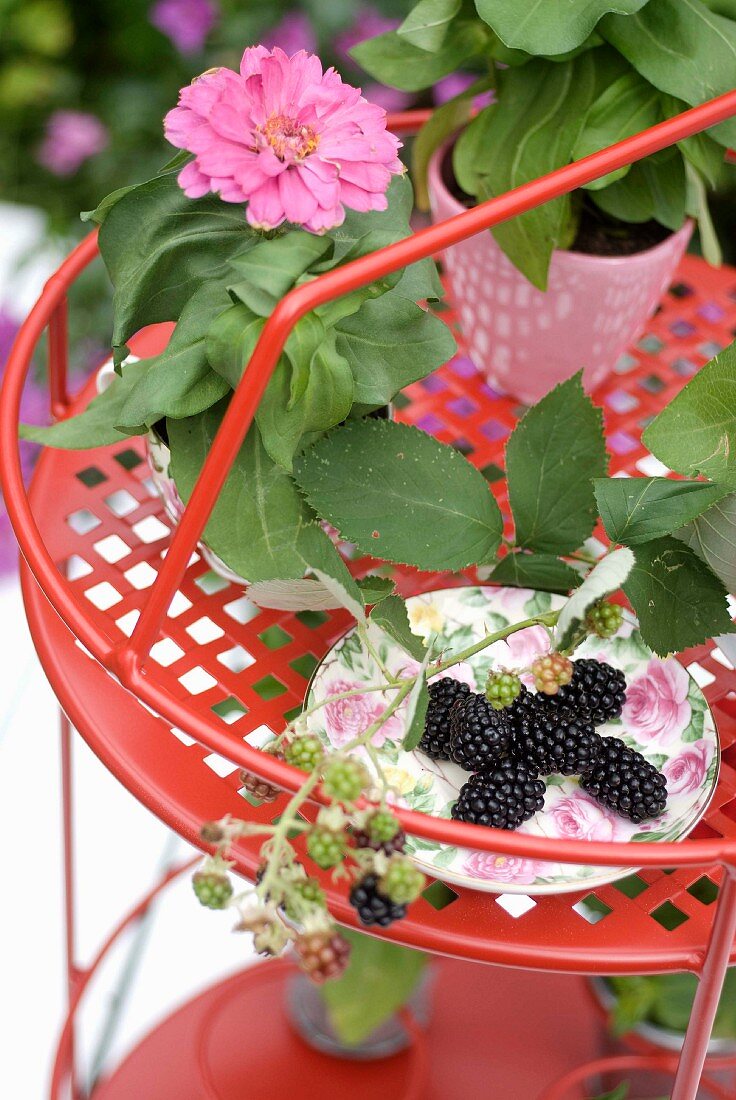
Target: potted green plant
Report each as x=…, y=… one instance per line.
x=217, y=266
x=579, y=275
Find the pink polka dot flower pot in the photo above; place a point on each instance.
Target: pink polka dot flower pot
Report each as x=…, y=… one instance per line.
x=526, y=340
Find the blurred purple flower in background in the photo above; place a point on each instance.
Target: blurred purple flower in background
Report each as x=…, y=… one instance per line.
x=454, y=84
x=34, y=409
x=293, y=33
x=367, y=24
x=72, y=137
x=186, y=23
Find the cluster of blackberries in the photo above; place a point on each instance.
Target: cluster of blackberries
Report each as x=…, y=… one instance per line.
x=509, y=737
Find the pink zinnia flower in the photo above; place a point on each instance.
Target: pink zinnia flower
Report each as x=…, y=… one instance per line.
x=72, y=137
x=186, y=23
x=292, y=141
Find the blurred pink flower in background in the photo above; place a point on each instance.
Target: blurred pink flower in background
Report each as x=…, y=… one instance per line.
x=656, y=707
x=72, y=137
x=295, y=32
x=455, y=84
x=186, y=23
x=294, y=142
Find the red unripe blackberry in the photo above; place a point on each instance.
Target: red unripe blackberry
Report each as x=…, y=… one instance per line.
x=436, y=737
x=556, y=740
x=625, y=782
x=596, y=687
x=373, y=907
x=259, y=788
x=551, y=672
x=502, y=798
x=322, y=955
x=480, y=735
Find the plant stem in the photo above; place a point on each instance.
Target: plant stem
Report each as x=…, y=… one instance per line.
x=547, y=618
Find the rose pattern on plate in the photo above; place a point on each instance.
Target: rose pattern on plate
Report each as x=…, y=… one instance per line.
x=666, y=718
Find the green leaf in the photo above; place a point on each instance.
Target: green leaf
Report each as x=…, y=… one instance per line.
x=311, y=390
x=653, y=188
x=179, y=382
x=400, y=495
x=441, y=124
x=604, y=578
x=551, y=457
x=379, y=980
x=322, y=558
x=103, y=208
x=160, y=246
x=427, y=23
x=389, y=343
x=392, y=59
x=698, y=201
x=681, y=48
x=637, y=509
x=532, y=130
x=260, y=526
x=625, y=107
x=94, y=426
x=416, y=714
x=695, y=433
x=391, y=616
x=712, y=536
x=544, y=572
x=678, y=600
x=264, y=274
x=374, y=589
x=621, y=1092
x=548, y=26
x=231, y=340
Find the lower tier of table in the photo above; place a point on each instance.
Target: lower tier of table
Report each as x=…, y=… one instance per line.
x=493, y=1033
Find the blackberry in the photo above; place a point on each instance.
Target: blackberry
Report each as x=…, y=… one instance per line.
x=605, y=619
x=382, y=833
x=625, y=782
x=372, y=905
x=213, y=888
x=304, y=752
x=596, y=687
x=306, y=895
x=480, y=736
x=259, y=788
x=322, y=955
x=552, y=672
x=344, y=779
x=555, y=740
x=436, y=737
x=503, y=798
x=325, y=846
x=502, y=688
x=401, y=882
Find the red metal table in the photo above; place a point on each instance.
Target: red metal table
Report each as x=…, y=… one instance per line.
x=221, y=671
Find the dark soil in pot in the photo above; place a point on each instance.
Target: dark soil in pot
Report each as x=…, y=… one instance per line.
x=598, y=234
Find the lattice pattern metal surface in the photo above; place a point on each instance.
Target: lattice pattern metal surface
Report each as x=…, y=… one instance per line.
x=250, y=668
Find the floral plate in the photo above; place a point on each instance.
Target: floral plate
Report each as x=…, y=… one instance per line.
x=666, y=718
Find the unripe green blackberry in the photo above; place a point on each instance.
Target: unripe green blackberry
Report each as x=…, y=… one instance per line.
x=304, y=752
x=552, y=672
x=305, y=895
x=502, y=688
x=213, y=888
x=325, y=847
x=344, y=779
x=401, y=882
x=605, y=619
x=382, y=826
